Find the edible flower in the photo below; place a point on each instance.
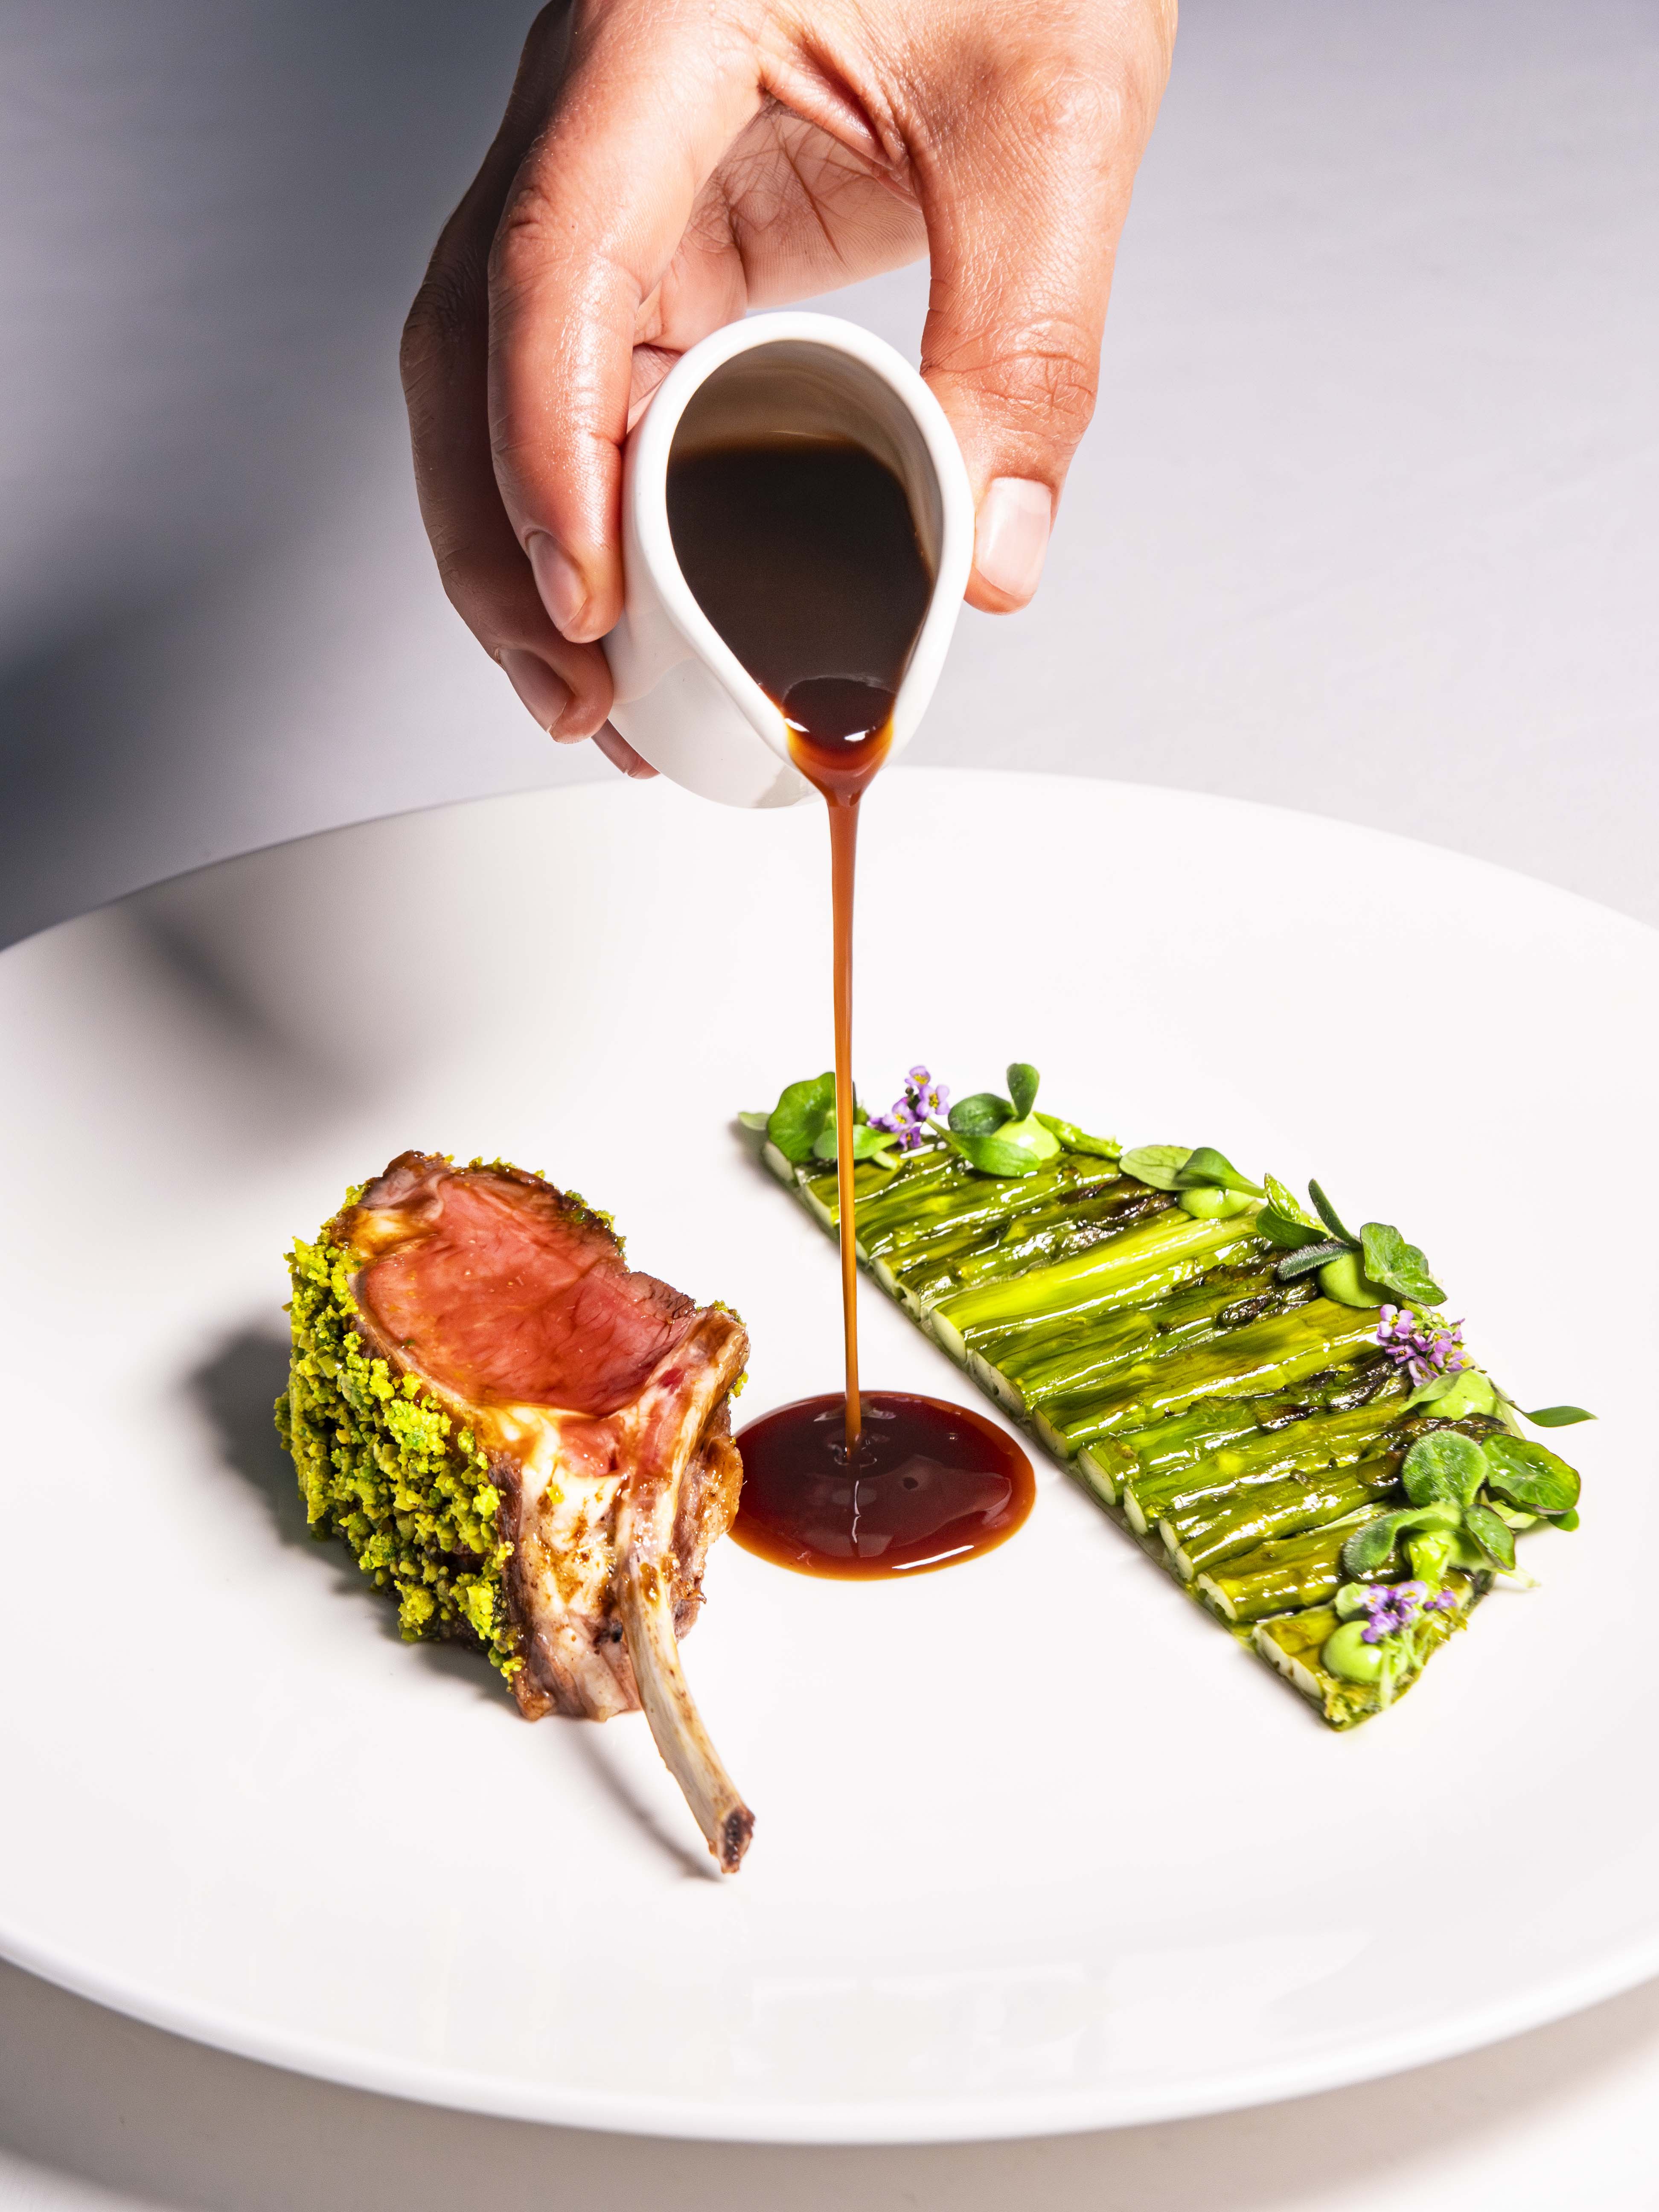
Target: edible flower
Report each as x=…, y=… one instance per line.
x=1422, y=1344
x=1390, y=1607
x=909, y=1115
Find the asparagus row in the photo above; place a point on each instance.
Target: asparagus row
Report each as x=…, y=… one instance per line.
x=1244, y=1412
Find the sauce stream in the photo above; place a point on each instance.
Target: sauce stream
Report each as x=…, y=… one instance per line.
x=803, y=554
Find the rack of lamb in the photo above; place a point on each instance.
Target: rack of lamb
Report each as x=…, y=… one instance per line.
x=527, y=1440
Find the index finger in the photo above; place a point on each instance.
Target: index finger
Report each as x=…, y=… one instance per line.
x=653, y=97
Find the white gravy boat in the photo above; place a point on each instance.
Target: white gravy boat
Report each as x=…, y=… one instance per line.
x=683, y=699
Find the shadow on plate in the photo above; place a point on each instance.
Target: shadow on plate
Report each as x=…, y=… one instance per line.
x=235, y=1391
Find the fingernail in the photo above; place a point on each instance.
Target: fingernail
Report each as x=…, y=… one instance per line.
x=1011, y=536
x=543, y=690
x=559, y=580
x=617, y=751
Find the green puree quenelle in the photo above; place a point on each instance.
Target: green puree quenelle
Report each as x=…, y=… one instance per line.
x=1273, y=1405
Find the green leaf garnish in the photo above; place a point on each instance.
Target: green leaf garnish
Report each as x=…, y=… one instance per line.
x=1157, y=1164
x=798, y=1120
x=1557, y=1417
x=1017, y=1148
x=1494, y=1536
x=1529, y=1476
x=868, y=1144
x=1282, y=1221
x=1332, y=1221
x=754, y=1120
x=1445, y=1468
x=1372, y=1546
x=1398, y=1266
x=980, y=1115
x=1022, y=1082
x=1453, y=1396
x=1205, y=1168
x=1309, y=1258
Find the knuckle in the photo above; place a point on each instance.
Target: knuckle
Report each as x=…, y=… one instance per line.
x=445, y=313
x=1042, y=379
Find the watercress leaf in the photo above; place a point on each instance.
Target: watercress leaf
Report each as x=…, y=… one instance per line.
x=1494, y=1538
x=1557, y=1417
x=794, y=1123
x=754, y=1120
x=1398, y=1266
x=1079, y=1140
x=1205, y=1168
x=1567, y=1520
x=1022, y=1081
x=1328, y=1215
x=1529, y=1476
x=1310, y=1257
x=1445, y=1466
x=1157, y=1164
x=980, y=1115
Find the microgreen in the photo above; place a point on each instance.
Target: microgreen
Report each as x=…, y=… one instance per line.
x=1558, y=1416
x=1447, y=1522
x=1530, y=1476
x=1381, y=1257
x=802, y=1125
x=1157, y=1164
x=1184, y=1167
x=1003, y=1136
x=801, y=1115
x=980, y=1115
x=1282, y=1220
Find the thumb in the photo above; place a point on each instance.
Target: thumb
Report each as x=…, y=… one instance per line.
x=1028, y=191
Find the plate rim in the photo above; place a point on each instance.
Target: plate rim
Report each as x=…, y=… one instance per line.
x=912, y=2120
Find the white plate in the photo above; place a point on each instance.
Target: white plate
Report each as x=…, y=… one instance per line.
x=1039, y=1847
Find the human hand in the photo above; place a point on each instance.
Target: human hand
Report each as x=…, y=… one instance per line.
x=665, y=165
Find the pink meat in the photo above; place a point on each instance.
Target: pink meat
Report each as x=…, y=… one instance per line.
x=510, y=1293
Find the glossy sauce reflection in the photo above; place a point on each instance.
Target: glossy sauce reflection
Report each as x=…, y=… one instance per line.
x=928, y=1485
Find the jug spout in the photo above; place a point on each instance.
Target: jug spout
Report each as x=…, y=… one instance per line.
x=683, y=699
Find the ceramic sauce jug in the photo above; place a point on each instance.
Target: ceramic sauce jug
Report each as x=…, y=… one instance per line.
x=682, y=698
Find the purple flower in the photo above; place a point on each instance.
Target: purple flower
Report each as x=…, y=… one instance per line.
x=1422, y=1344
x=908, y=1116
x=1390, y=1606
x=1446, y=1601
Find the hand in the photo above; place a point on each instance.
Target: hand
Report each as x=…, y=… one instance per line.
x=665, y=165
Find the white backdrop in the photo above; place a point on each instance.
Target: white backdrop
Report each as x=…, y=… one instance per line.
x=1365, y=525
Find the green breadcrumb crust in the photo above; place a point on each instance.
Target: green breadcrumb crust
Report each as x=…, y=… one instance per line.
x=384, y=1466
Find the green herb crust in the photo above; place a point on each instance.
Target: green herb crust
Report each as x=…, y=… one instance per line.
x=1219, y=1371
x=385, y=1466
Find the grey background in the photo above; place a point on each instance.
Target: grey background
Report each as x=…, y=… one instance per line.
x=1365, y=526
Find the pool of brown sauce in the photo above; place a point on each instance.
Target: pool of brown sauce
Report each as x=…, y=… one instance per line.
x=803, y=554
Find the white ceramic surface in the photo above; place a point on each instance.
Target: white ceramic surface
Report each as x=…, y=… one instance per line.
x=683, y=699
x=1038, y=1847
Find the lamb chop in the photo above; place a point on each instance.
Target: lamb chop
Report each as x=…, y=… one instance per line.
x=529, y=1441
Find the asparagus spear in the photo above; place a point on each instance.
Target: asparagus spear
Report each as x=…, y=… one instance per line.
x=1286, y=1574
x=1243, y=1426
x=1309, y=1447
x=1222, y=1529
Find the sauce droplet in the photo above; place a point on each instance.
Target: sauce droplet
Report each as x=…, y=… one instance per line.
x=928, y=1485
